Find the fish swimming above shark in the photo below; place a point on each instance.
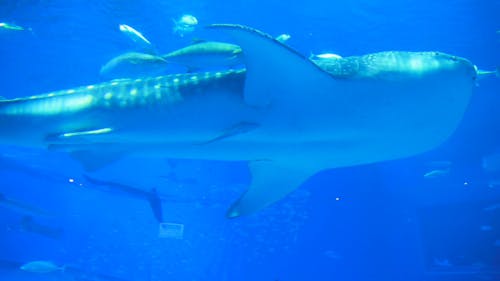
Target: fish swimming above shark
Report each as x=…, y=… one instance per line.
x=41, y=267
x=137, y=38
x=133, y=65
x=201, y=55
x=206, y=54
x=211, y=54
x=285, y=115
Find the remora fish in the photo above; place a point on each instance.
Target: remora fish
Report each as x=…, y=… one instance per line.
x=41, y=267
x=206, y=54
x=283, y=37
x=201, y=55
x=132, y=65
x=367, y=109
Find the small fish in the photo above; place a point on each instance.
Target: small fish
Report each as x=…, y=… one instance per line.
x=493, y=183
x=486, y=73
x=133, y=65
x=325, y=56
x=283, y=37
x=486, y=228
x=492, y=207
x=206, y=54
x=326, y=61
x=10, y=26
x=442, y=262
x=436, y=173
x=41, y=267
x=184, y=25
x=491, y=162
x=136, y=37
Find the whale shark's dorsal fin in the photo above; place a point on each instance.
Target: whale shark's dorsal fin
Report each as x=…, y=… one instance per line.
x=275, y=71
x=281, y=77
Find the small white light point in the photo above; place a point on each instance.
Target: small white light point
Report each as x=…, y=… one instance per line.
x=71, y=180
x=337, y=198
x=466, y=183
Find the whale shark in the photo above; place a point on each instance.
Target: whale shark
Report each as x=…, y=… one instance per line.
x=287, y=116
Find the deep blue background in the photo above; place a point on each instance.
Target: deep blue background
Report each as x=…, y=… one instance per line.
x=390, y=223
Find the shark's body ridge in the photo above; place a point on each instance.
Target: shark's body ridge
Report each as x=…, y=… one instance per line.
x=287, y=116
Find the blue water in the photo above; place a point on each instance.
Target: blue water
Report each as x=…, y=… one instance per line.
x=384, y=221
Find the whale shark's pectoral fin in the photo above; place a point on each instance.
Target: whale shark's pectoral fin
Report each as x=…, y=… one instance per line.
x=271, y=181
x=276, y=73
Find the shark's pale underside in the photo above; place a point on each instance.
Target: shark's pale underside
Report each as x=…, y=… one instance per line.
x=288, y=117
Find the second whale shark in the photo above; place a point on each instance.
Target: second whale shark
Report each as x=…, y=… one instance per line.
x=287, y=116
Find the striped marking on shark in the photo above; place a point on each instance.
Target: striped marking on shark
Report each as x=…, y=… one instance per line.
x=124, y=93
x=124, y=103
x=285, y=115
